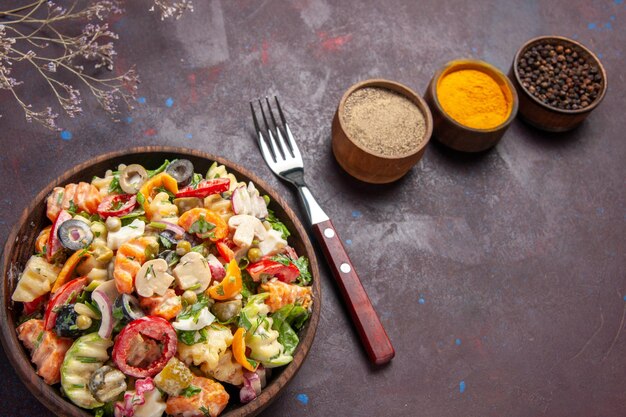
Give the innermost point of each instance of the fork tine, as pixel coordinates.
(265, 151)
(293, 146)
(271, 140)
(281, 140)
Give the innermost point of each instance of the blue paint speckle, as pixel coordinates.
(612, 17)
(458, 342)
(625, 298)
(462, 387)
(169, 102)
(608, 26)
(619, 1)
(348, 241)
(591, 26)
(421, 300)
(474, 50)
(574, 36)
(303, 398)
(189, 136)
(141, 100)
(66, 135)
(129, 119)
(600, 55)
(356, 214)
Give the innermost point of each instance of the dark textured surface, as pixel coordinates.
(503, 270)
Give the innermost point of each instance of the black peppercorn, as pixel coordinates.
(560, 76)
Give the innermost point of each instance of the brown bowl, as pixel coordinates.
(367, 165)
(541, 115)
(19, 247)
(456, 135)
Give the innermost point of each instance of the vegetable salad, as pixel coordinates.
(161, 292)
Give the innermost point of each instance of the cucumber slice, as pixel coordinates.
(87, 354)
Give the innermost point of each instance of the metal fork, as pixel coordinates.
(283, 157)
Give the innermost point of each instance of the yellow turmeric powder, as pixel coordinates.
(473, 98)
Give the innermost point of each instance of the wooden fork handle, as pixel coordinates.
(371, 330)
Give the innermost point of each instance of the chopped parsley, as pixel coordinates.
(114, 185)
(190, 391)
(165, 242)
(191, 337)
(201, 226)
(73, 207)
(277, 224)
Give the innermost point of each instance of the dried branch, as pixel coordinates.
(38, 34)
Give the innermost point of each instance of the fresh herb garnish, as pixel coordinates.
(162, 189)
(73, 207)
(303, 266)
(190, 391)
(163, 167)
(201, 226)
(114, 185)
(165, 242)
(277, 224)
(141, 198)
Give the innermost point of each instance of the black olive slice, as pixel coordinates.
(170, 257)
(65, 325)
(129, 306)
(181, 170)
(74, 234)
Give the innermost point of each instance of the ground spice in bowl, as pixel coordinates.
(383, 121)
(473, 98)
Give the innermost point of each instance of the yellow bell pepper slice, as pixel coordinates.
(148, 189)
(68, 269)
(230, 286)
(239, 350)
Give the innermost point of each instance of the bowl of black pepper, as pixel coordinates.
(559, 82)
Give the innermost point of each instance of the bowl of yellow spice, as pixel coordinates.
(472, 103)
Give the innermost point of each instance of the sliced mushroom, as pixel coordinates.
(246, 228)
(273, 243)
(193, 273)
(153, 278)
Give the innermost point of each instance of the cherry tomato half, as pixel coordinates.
(54, 244)
(151, 327)
(65, 295)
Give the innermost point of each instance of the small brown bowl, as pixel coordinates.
(365, 164)
(541, 115)
(456, 135)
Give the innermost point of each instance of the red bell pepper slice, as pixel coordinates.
(151, 327)
(31, 307)
(225, 250)
(117, 205)
(54, 243)
(285, 273)
(66, 294)
(205, 188)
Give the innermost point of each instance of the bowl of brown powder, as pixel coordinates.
(380, 130)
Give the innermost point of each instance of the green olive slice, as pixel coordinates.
(132, 178)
